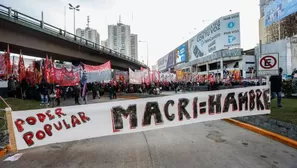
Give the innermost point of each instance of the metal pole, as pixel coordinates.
(279, 31)
(42, 22)
(147, 54)
(65, 18)
(74, 21)
(257, 60)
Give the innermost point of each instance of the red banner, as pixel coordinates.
(3, 67)
(22, 70)
(90, 68)
(63, 77)
(98, 73)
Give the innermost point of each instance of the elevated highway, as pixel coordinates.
(36, 38)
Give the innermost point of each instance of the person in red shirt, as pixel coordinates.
(58, 95)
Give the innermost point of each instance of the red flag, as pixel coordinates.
(8, 61)
(51, 71)
(46, 70)
(22, 70)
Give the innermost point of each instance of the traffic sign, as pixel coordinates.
(268, 64)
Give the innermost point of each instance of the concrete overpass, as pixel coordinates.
(36, 38)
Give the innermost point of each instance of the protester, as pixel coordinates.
(114, 92)
(44, 92)
(52, 96)
(77, 93)
(58, 95)
(110, 91)
(276, 87)
(12, 87)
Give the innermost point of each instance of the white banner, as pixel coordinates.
(99, 76)
(167, 77)
(46, 126)
(135, 77)
(224, 33)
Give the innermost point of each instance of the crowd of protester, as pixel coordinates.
(51, 94)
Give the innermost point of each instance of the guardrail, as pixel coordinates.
(40, 24)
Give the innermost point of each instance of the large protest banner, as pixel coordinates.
(135, 77)
(46, 126)
(63, 77)
(98, 73)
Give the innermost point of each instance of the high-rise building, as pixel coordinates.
(89, 34)
(134, 46)
(121, 40)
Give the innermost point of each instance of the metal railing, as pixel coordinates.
(40, 25)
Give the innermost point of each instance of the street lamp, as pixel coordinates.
(147, 53)
(74, 9)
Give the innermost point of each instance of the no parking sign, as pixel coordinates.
(268, 64)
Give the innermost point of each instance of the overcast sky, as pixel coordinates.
(165, 24)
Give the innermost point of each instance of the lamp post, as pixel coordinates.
(74, 9)
(147, 53)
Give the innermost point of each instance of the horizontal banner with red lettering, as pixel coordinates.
(98, 73)
(46, 126)
(63, 77)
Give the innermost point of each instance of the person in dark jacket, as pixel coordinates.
(276, 87)
(77, 93)
(44, 92)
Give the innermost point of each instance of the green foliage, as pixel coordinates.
(288, 88)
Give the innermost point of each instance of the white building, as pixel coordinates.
(119, 38)
(89, 34)
(222, 61)
(134, 46)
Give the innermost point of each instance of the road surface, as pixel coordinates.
(215, 144)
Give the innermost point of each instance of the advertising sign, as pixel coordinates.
(34, 128)
(268, 64)
(181, 53)
(162, 63)
(279, 9)
(171, 60)
(224, 33)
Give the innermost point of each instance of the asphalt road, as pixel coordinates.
(216, 144)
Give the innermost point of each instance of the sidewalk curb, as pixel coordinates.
(263, 132)
(129, 97)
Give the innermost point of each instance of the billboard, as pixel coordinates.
(171, 60)
(223, 33)
(181, 53)
(279, 9)
(162, 63)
